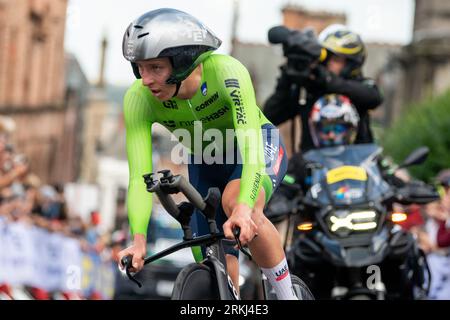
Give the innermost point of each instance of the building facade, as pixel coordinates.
(35, 89)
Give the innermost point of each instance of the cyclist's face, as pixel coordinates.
(336, 64)
(154, 73)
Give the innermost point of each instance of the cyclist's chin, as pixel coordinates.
(163, 99)
(162, 95)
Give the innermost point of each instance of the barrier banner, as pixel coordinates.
(3, 273)
(18, 253)
(31, 256)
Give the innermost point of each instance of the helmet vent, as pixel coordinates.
(143, 35)
(138, 27)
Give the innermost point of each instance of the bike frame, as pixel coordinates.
(215, 256)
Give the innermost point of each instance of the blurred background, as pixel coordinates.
(63, 165)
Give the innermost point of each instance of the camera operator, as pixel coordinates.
(315, 67)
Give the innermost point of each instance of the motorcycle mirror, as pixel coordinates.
(418, 156)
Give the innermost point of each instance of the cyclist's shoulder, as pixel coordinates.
(136, 88)
(221, 58)
(138, 103)
(223, 62)
(137, 92)
(227, 72)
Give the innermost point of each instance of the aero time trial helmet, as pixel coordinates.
(169, 33)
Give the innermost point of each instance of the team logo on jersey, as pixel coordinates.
(232, 83)
(208, 102)
(169, 124)
(170, 104)
(254, 192)
(240, 111)
(204, 89)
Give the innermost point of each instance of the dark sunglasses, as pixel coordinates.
(337, 128)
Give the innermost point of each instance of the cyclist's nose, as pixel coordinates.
(147, 78)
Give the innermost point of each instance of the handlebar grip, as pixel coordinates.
(127, 261)
(236, 232)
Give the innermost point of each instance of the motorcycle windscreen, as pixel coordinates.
(349, 175)
(346, 185)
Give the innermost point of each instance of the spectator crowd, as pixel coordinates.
(34, 218)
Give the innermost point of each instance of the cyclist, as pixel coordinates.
(186, 88)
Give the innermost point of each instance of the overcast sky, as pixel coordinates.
(88, 20)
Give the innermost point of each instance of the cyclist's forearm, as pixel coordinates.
(252, 175)
(139, 207)
(253, 168)
(140, 239)
(138, 122)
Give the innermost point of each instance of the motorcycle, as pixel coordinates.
(347, 242)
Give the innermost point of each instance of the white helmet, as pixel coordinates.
(333, 121)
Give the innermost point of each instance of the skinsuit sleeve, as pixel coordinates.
(138, 122)
(238, 89)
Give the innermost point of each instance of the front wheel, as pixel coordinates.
(196, 282)
(301, 289)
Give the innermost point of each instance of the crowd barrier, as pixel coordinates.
(32, 256)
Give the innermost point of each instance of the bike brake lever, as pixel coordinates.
(126, 262)
(236, 233)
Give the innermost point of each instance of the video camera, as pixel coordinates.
(300, 47)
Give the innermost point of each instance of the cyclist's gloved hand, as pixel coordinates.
(138, 250)
(241, 217)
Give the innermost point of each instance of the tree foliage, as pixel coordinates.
(423, 124)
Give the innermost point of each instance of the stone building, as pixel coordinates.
(421, 69)
(296, 17)
(36, 91)
(425, 62)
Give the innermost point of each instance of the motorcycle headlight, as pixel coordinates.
(343, 222)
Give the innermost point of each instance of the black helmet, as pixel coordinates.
(169, 33)
(339, 40)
